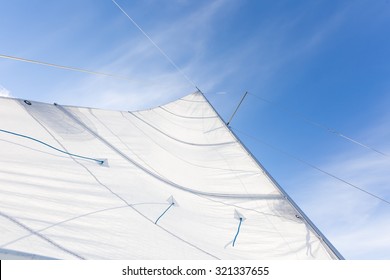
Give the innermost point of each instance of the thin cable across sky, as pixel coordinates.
(326, 128)
(155, 44)
(311, 166)
(17, 58)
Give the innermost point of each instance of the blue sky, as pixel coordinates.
(327, 60)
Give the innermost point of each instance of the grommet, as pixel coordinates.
(27, 102)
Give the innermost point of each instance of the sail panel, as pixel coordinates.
(173, 181)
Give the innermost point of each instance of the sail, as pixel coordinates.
(171, 182)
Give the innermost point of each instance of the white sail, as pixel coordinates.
(171, 182)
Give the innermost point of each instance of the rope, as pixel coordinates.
(322, 126)
(50, 146)
(154, 44)
(314, 167)
(166, 210)
(63, 67)
(238, 231)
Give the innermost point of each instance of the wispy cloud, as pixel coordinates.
(356, 223)
(187, 39)
(155, 80)
(282, 42)
(4, 92)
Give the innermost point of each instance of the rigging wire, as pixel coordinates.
(16, 58)
(155, 44)
(322, 126)
(312, 166)
(71, 68)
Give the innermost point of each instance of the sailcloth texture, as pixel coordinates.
(171, 182)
